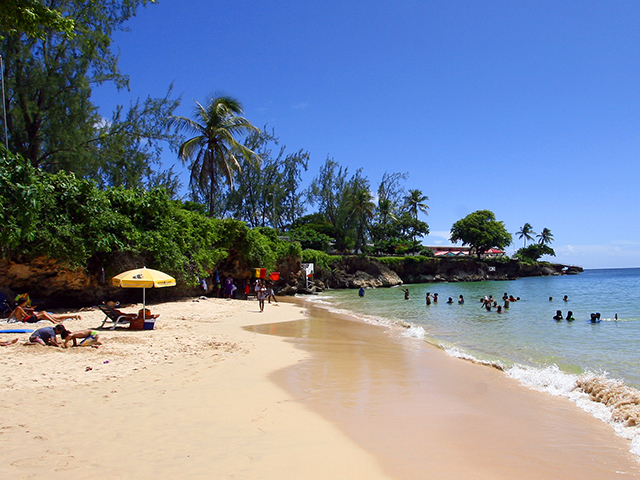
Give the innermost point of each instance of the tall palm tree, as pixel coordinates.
(362, 208)
(546, 237)
(414, 203)
(386, 210)
(526, 232)
(213, 148)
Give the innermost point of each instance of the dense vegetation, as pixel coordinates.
(72, 220)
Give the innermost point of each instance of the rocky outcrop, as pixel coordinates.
(51, 284)
(44, 278)
(353, 272)
(473, 270)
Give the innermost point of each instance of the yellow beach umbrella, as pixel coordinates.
(143, 278)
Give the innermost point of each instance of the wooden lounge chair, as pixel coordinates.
(112, 316)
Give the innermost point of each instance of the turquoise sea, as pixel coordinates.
(524, 340)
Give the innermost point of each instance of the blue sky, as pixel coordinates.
(529, 109)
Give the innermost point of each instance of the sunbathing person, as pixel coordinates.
(130, 316)
(120, 313)
(28, 315)
(88, 336)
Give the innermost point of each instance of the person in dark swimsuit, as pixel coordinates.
(28, 315)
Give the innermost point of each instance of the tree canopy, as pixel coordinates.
(534, 251)
(33, 18)
(481, 231)
(51, 120)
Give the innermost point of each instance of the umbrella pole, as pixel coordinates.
(144, 301)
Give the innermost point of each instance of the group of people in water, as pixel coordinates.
(489, 303)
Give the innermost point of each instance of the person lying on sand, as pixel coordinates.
(28, 315)
(89, 337)
(47, 336)
(8, 342)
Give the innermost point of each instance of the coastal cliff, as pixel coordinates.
(53, 284)
(368, 272)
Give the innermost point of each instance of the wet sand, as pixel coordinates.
(220, 390)
(427, 415)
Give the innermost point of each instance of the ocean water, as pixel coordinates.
(595, 365)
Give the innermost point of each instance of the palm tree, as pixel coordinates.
(386, 210)
(526, 232)
(414, 203)
(546, 237)
(362, 208)
(213, 148)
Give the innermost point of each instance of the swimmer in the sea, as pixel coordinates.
(558, 316)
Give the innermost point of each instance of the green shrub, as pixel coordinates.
(72, 221)
(319, 259)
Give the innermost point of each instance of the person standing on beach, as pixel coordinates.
(271, 294)
(262, 295)
(228, 286)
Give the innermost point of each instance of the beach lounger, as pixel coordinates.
(111, 316)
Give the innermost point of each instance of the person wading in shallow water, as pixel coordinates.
(406, 293)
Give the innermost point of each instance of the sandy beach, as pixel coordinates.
(220, 390)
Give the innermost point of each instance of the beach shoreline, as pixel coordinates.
(219, 389)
